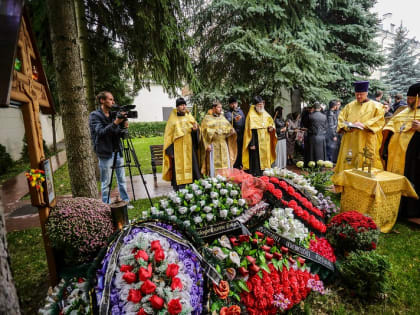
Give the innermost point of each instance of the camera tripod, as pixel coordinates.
(129, 155)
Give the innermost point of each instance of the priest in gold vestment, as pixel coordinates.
(181, 140)
(359, 121)
(218, 142)
(401, 148)
(259, 147)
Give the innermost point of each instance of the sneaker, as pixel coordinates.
(130, 207)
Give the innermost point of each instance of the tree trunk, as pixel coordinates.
(9, 302)
(72, 97)
(86, 66)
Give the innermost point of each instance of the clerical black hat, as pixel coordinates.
(232, 99)
(258, 99)
(414, 90)
(180, 101)
(361, 86)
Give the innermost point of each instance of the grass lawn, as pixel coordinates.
(141, 146)
(15, 169)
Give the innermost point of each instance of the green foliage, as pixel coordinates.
(147, 129)
(257, 47)
(352, 29)
(403, 64)
(318, 175)
(5, 160)
(365, 273)
(24, 154)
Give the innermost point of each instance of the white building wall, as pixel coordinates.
(12, 130)
(149, 104)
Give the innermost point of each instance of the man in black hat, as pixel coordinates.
(235, 116)
(402, 148)
(359, 121)
(181, 139)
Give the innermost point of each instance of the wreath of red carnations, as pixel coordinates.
(321, 246)
(301, 213)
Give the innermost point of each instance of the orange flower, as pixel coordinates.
(233, 310)
(222, 290)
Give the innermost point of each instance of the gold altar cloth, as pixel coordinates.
(378, 196)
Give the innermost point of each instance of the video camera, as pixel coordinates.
(117, 110)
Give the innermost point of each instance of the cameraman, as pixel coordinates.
(105, 135)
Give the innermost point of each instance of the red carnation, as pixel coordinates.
(125, 268)
(176, 284)
(284, 249)
(144, 273)
(243, 271)
(234, 241)
(259, 234)
(174, 307)
(154, 245)
(269, 241)
(142, 312)
(142, 254)
(148, 287)
(134, 296)
(129, 277)
(254, 268)
(157, 302)
(251, 259)
(172, 270)
(265, 248)
(301, 260)
(268, 256)
(159, 255)
(373, 245)
(244, 238)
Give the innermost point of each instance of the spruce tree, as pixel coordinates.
(403, 65)
(352, 31)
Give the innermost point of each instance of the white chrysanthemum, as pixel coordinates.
(214, 195)
(229, 201)
(215, 202)
(202, 203)
(193, 208)
(144, 214)
(218, 186)
(198, 192)
(177, 200)
(169, 211)
(189, 196)
(187, 223)
(223, 191)
(208, 186)
(234, 210)
(154, 211)
(164, 203)
(241, 202)
(184, 191)
(198, 219)
(194, 186)
(223, 213)
(229, 185)
(234, 193)
(221, 178)
(209, 216)
(207, 209)
(183, 210)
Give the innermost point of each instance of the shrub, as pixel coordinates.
(79, 227)
(365, 273)
(352, 230)
(5, 160)
(24, 154)
(147, 129)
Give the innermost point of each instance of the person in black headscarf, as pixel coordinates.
(332, 136)
(281, 149)
(317, 131)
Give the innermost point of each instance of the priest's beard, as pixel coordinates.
(259, 111)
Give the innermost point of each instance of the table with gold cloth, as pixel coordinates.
(378, 196)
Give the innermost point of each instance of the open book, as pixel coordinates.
(351, 125)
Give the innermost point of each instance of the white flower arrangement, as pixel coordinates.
(223, 213)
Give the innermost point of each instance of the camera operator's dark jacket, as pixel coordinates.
(104, 133)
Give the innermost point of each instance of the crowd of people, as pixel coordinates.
(389, 133)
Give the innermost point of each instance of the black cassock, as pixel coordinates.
(254, 155)
(317, 131)
(410, 207)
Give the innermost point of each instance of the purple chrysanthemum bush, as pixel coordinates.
(80, 227)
